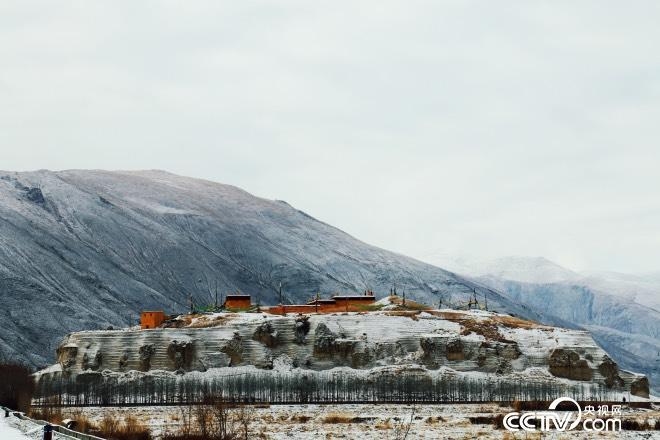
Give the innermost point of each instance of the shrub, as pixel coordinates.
(83, 423)
(338, 418)
(49, 413)
(130, 429)
(213, 421)
(16, 386)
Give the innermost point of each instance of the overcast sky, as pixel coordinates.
(479, 127)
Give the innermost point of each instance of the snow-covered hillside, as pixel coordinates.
(90, 249)
(514, 268)
(620, 310)
(643, 288)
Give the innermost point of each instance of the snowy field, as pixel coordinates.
(370, 422)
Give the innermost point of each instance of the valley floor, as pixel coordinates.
(369, 422)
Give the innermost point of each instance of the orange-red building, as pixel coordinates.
(151, 319)
(338, 303)
(241, 302)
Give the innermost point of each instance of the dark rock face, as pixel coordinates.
(266, 334)
(35, 195)
(509, 351)
(234, 349)
(117, 242)
(302, 328)
(93, 363)
(348, 351)
(567, 363)
(361, 359)
(640, 387)
(66, 356)
(123, 362)
(455, 350)
(181, 354)
(610, 371)
(146, 352)
(324, 341)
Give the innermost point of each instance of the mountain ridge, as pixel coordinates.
(90, 249)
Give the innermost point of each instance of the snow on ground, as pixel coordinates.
(13, 428)
(8, 432)
(369, 422)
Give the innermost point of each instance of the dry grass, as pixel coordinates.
(205, 321)
(486, 328)
(385, 425)
(83, 423)
(130, 428)
(337, 417)
(109, 423)
(52, 414)
(512, 322)
(406, 313)
(410, 305)
(449, 316)
(504, 320)
(301, 418)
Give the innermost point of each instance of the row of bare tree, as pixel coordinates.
(308, 387)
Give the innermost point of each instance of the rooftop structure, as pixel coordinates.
(338, 303)
(151, 319)
(238, 301)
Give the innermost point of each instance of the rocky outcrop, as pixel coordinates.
(180, 354)
(66, 355)
(324, 340)
(423, 342)
(123, 362)
(266, 334)
(93, 361)
(454, 350)
(567, 363)
(35, 195)
(234, 349)
(640, 387)
(302, 328)
(146, 352)
(610, 372)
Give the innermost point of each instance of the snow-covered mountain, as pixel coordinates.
(514, 268)
(621, 311)
(90, 249)
(642, 288)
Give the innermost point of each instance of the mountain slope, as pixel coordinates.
(641, 288)
(90, 249)
(514, 268)
(627, 330)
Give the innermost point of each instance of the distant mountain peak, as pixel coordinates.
(514, 267)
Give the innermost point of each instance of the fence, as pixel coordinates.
(57, 428)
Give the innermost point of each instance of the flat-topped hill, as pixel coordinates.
(463, 345)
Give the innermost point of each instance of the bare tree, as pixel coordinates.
(245, 416)
(402, 427)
